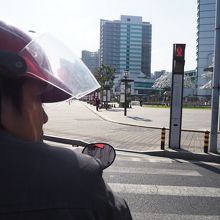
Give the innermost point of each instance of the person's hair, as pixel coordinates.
(12, 89)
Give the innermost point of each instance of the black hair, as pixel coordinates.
(12, 89)
(12, 68)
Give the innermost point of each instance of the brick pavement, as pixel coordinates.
(150, 118)
(196, 122)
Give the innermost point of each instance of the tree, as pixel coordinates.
(164, 81)
(105, 74)
(207, 74)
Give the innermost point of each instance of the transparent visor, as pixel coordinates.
(49, 60)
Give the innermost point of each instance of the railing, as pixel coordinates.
(72, 142)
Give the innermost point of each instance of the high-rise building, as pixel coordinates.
(125, 44)
(205, 41)
(91, 59)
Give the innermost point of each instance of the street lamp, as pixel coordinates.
(126, 80)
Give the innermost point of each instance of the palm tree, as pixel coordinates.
(105, 74)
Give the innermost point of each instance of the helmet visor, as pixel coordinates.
(49, 60)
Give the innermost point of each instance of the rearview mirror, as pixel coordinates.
(102, 151)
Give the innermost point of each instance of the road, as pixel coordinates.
(163, 188)
(158, 188)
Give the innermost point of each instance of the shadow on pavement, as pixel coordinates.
(181, 154)
(115, 110)
(201, 159)
(209, 167)
(139, 119)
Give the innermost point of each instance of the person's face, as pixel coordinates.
(29, 124)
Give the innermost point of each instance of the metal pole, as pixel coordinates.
(215, 83)
(106, 92)
(125, 107)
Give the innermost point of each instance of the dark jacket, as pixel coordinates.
(38, 181)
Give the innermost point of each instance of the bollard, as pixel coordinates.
(206, 142)
(163, 132)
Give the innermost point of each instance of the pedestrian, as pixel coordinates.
(97, 103)
(39, 181)
(141, 102)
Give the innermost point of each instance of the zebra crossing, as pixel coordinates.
(154, 171)
(163, 188)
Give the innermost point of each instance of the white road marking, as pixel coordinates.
(145, 159)
(166, 190)
(153, 159)
(155, 216)
(152, 171)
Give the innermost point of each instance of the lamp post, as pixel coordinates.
(126, 80)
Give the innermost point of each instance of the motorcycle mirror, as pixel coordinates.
(102, 151)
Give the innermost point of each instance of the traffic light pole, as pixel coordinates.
(216, 85)
(176, 96)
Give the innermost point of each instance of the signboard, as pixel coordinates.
(122, 88)
(106, 97)
(122, 98)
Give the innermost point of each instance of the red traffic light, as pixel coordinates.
(178, 58)
(179, 51)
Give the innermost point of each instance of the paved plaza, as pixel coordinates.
(193, 119)
(139, 131)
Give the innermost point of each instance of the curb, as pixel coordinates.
(178, 155)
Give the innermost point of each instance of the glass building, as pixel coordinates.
(205, 41)
(91, 60)
(125, 44)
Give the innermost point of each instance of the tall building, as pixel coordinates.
(125, 44)
(205, 41)
(91, 59)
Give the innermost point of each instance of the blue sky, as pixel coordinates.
(76, 23)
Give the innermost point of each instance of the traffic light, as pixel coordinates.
(178, 58)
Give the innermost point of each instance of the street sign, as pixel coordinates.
(106, 96)
(177, 95)
(127, 80)
(124, 92)
(122, 88)
(122, 98)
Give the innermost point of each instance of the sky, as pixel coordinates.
(77, 23)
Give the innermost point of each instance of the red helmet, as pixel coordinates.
(46, 59)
